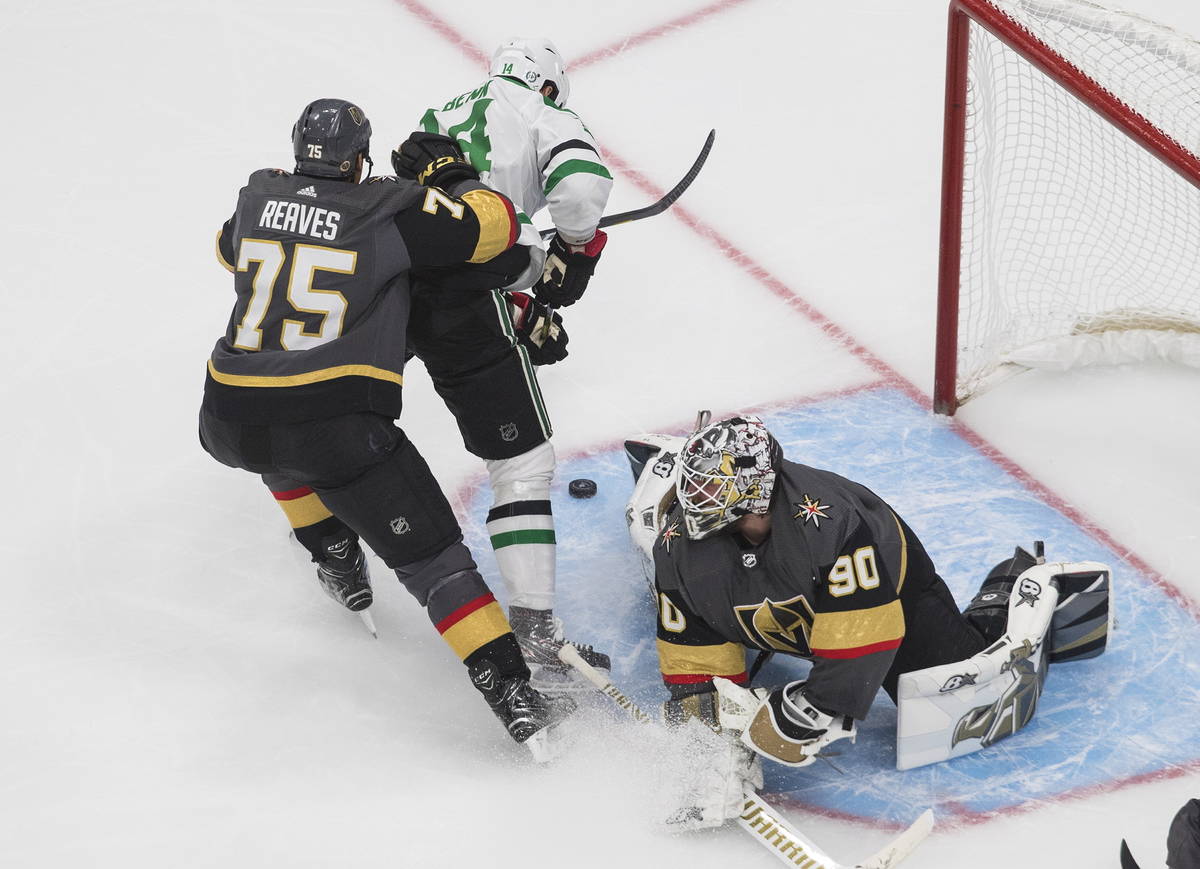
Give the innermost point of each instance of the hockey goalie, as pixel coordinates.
(748, 550)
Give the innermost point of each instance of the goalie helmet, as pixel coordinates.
(328, 137)
(536, 62)
(727, 470)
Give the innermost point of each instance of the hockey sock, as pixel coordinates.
(521, 526)
(311, 520)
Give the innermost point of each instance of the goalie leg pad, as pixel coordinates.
(1084, 617)
(958, 708)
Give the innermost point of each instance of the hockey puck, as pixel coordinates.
(582, 488)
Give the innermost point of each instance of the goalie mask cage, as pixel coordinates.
(1070, 191)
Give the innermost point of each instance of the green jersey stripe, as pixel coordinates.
(572, 167)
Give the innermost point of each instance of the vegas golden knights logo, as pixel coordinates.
(785, 626)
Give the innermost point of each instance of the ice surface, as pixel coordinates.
(177, 690)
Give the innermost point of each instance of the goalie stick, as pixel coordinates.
(759, 818)
(661, 205)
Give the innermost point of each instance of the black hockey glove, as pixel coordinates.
(568, 269)
(699, 704)
(539, 330)
(433, 160)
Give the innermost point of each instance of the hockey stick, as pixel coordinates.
(760, 818)
(663, 204)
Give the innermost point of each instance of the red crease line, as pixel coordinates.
(667, 29)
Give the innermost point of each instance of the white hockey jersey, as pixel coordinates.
(533, 151)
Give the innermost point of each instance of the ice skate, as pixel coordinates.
(346, 578)
(540, 635)
(529, 716)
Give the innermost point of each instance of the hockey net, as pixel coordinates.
(1071, 192)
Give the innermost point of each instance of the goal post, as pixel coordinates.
(1070, 190)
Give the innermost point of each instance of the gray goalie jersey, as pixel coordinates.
(824, 585)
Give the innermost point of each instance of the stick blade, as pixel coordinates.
(1127, 861)
(903, 845)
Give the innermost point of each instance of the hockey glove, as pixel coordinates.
(539, 330)
(701, 705)
(788, 729)
(433, 160)
(568, 269)
(715, 774)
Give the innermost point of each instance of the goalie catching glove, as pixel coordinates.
(568, 269)
(784, 726)
(433, 160)
(539, 330)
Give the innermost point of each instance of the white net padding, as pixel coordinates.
(1072, 232)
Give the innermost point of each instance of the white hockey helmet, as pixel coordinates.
(727, 470)
(535, 61)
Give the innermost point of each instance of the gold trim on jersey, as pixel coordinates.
(306, 378)
(726, 659)
(858, 632)
(220, 256)
(903, 553)
(497, 226)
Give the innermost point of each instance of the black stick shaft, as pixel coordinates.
(668, 199)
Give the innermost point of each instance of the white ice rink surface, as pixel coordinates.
(174, 688)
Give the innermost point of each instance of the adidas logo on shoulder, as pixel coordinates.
(308, 191)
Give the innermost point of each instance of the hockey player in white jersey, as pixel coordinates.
(516, 130)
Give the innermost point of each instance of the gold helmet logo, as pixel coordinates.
(356, 115)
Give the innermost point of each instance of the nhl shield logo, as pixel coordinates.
(399, 525)
(749, 559)
(508, 432)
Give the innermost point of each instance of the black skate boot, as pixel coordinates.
(540, 636)
(988, 610)
(343, 573)
(526, 714)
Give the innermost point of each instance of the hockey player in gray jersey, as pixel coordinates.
(480, 338)
(305, 384)
(751, 550)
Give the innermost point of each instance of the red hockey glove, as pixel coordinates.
(539, 330)
(568, 269)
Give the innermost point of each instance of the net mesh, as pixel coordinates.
(1067, 222)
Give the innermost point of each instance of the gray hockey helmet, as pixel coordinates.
(328, 137)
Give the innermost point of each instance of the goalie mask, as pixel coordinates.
(727, 470)
(536, 62)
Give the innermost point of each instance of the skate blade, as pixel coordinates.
(368, 621)
(548, 744)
